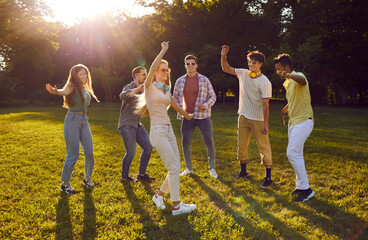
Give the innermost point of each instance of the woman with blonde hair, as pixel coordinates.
(77, 96)
(155, 102)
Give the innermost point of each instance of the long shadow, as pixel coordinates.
(149, 227)
(89, 220)
(237, 216)
(334, 224)
(64, 228)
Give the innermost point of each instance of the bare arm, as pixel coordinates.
(224, 63)
(179, 109)
(266, 113)
(284, 113)
(60, 92)
(156, 63)
(297, 78)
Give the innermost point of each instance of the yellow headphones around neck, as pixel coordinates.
(253, 74)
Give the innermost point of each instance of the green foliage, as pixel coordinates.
(32, 154)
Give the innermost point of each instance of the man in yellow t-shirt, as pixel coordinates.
(301, 121)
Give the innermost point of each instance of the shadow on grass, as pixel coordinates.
(284, 230)
(149, 228)
(249, 229)
(64, 228)
(338, 222)
(89, 220)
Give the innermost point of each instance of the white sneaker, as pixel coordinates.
(159, 201)
(183, 208)
(88, 182)
(186, 172)
(213, 173)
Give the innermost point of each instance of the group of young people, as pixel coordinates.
(193, 96)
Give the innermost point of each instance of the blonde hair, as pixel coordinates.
(77, 86)
(141, 107)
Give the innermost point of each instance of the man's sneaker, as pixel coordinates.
(183, 208)
(186, 172)
(127, 180)
(159, 201)
(87, 182)
(241, 175)
(296, 191)
(266, 183)
(305, 195)
(213, 173)
(67, 188)
(145, 177)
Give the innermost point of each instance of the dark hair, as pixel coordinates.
(190, 57)
(257, 56)
(284, 59)
(137, 70)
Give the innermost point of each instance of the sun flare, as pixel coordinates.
(72, 11)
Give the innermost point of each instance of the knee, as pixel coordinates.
(148, 148)
(291, 154)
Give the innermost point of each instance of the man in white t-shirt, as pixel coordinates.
(255, 91)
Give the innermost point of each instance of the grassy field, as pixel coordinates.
(32, 153)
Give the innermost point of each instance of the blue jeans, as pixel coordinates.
(132, 136)
(76, 130)
(187, 129)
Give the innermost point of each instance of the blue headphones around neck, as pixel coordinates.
(160, 85)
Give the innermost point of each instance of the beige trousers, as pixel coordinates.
(163, 139)
(245, 128)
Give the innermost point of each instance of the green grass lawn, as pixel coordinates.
(32, 153)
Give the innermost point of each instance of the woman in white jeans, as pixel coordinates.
(154, 102)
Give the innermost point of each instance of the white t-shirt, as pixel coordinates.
(251, 93)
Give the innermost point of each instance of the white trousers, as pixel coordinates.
(163, 139)
(298, 134)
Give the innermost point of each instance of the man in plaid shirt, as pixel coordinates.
(194, 93)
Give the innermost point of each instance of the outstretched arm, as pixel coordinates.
(60, 92)
(156, 63)
(224, 63)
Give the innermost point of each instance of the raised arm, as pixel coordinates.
(60, 92)
(156, 63)
(224, 63)
(179, 109)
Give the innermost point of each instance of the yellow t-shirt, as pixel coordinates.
(299, 100)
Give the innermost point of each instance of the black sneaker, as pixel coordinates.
(67, 188)
(305, 195)
(266, 183)
(241, 175)
(296, 191)
(145, 178)
(127, 180)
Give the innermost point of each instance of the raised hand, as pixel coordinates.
(165, 45)
(50, 89)
(224, 50)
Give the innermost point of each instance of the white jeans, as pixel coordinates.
(298, 134)
(163, 139)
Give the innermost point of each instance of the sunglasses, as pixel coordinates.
(165, 70)
(191, 63)
(143, 74)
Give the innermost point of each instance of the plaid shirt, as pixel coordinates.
(206, 96)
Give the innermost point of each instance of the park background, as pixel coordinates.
(327, 40)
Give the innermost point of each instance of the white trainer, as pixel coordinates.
(213, 173)
(186, 172)
(159, 201)
(183, 208)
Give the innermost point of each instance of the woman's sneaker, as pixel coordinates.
(159, 201)
(183, 208)
(87, 182)
(67, 188)
(186, 172)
